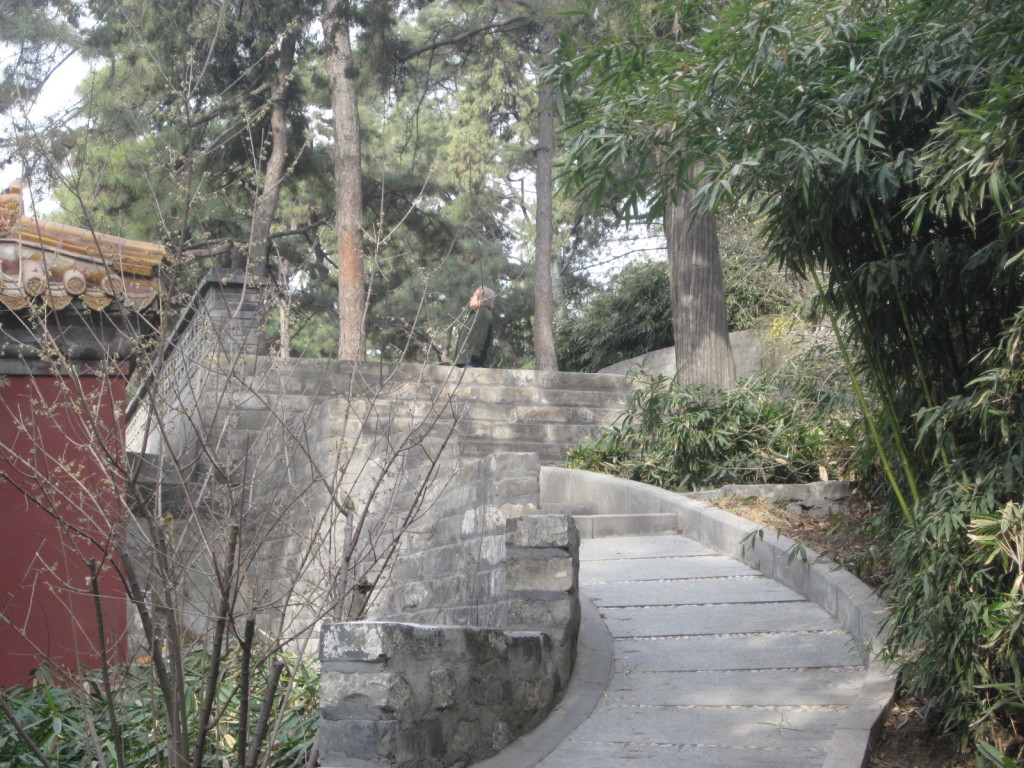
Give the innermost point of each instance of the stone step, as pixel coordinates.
(340, 373)
(469, 422)
(321, 379)
(493, 413)
(574, 508)
(548, 453)
(496, 410)
(531, 404)
(646, 524)
(509, 377)
(466, 427)
(512, 396)
(590, 398)
(570, 434)
(540, 413)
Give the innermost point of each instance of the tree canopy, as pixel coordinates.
(208, 125)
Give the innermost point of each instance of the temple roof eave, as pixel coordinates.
(58, 264)
(77, 243)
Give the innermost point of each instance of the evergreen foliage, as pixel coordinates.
(692, 438)
(35, 38)
(172, 141)
(632, 317)
(892, 141)
(633, 314)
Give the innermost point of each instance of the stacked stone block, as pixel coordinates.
(499, 585)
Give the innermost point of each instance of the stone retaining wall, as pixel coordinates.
(499, 582)
(747, 351)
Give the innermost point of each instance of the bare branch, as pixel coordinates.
(463, 36)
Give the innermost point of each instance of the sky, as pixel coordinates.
(57, 95)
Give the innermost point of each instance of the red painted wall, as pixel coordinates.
(60, 506)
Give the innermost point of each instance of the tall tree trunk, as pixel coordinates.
(699, 322)
(347, 182)
(543, 301)
(266, 204)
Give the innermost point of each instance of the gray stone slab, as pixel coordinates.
(668, 620)
(752, 589)
(732, 652)
(631, 524)
(772, 727)
(575, 754)
(660, 568)
(775, 687)
(617, 548)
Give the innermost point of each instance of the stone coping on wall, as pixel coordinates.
(851, 602)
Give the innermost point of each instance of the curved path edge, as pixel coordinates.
(590, 677)
(851, 602)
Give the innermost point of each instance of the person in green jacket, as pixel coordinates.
(477, 334)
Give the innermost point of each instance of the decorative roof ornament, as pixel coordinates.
(57, 264)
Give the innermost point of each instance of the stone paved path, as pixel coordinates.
(715, 666)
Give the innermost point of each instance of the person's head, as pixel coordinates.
(481, 296)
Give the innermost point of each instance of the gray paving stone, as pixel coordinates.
(669, 620)
(722, 726)
(753, 589)
(715, 665)
(660, 568)
(630, 524)
(581, 754)
(775, 687)
(618, 548)
(729, 652)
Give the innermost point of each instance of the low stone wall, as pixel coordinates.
(500, 585)
(747, 352)
(755, 350)
(452, 567)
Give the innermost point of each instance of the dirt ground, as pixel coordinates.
(907, 739)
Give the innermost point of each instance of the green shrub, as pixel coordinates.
(67, 719)
(690, 438)
(957, 593)
(755, 288)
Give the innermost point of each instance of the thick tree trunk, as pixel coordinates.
(543, 301)
(699, 322)
(266, 204)
(347, 182)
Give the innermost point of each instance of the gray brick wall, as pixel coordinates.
(497, 584)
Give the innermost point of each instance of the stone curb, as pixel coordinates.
(847, 599)
(590, 677)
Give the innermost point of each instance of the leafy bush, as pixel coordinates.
(69, 722)
(689, 438)
(958, 592)
(755, 288)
